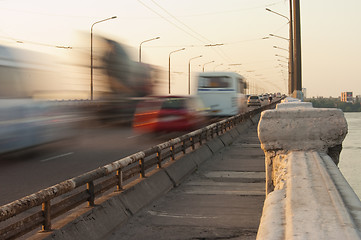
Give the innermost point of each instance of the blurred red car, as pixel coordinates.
(169, 114)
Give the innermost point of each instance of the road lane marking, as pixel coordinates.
(133, 136)
(58, 156)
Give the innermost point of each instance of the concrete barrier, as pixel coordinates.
(179, 170)
(215, 145)
(307, 196)
(203, 153)
(226, 138)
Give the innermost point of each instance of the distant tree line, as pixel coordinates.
(335, 103)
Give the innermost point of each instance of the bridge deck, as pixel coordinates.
(222, 200)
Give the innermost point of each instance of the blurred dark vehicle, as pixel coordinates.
(119, 83)
(124, 77)
(169, 114)
(253, 100)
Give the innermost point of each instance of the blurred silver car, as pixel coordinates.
(253, 100)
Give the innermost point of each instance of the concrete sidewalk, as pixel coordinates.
(222, 200)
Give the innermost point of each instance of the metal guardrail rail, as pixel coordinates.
(103, 179)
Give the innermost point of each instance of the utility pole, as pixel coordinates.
(291, 59)
(297, 46)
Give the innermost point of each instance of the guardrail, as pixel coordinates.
(103, 179)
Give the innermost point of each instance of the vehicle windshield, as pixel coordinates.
(174, 103)
(215, 82)
(253, 97)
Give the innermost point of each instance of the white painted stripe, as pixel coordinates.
(58, 156)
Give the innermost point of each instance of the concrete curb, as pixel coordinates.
(244, 126)
(181, 169)
(202, 154)
(215, 145)
(226, 138)
(145, 191)
(234, 133)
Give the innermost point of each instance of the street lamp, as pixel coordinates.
(169, 67)
(281, 48)
(281, 56)
(189, 73)
(140, 47)
(91, 54)
(272, 35)
(290, 46)
(206, 64)
(214, 69)
(282, 61)
(278, 14)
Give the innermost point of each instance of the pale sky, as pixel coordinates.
(330, 37)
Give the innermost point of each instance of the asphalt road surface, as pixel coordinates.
(28, 171)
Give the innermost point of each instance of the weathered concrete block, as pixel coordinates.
(181, 169)
(147, 190)
(294, 105)
(301, 129)
(234, 133)
(202, 154)
(226, 138)
(215, 145)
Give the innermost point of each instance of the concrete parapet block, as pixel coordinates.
(145, 191)
(307, 202)
(301, 128)
(288, 105)
(204, 153)
(226, 138)
(234, 133)
(243, 127)
(181, 169)
(215, 145)
(350, 199)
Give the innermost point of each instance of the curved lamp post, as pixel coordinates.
(169, 67)
(189, 73)
(140, 47)
(206, 64)
(91, 54)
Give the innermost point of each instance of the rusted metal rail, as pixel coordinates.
(102, 179)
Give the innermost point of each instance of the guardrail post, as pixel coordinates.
(142, 168)
(120, 180)
(200, 138)
(192, 141)
(172, 152)
(217, 129)
(184, 147)
(159, 159)
(45, 208)
(90, 188)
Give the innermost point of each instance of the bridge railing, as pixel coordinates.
(67, 195)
